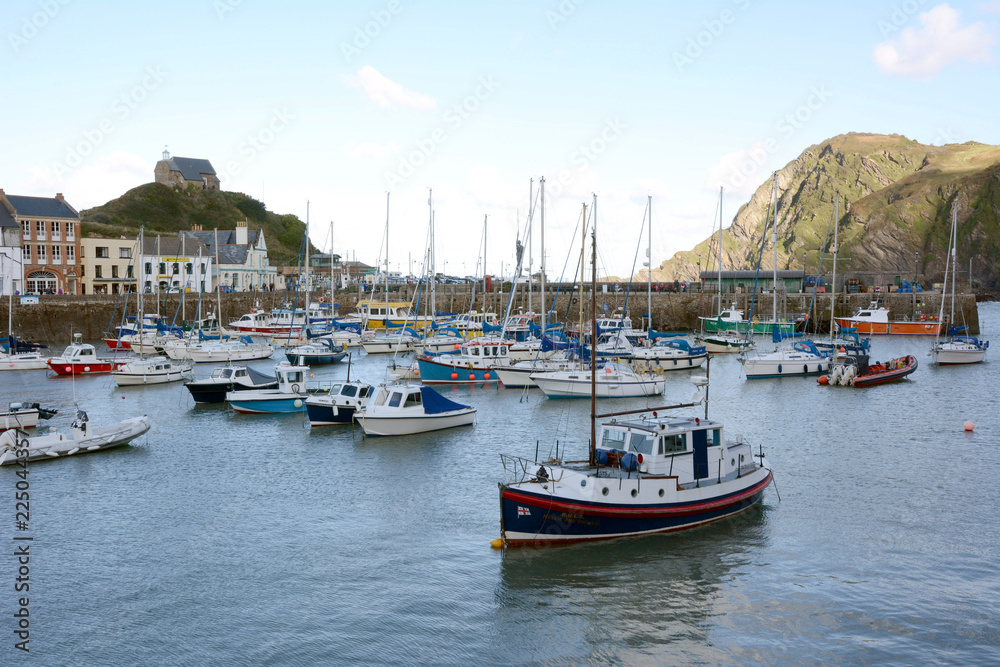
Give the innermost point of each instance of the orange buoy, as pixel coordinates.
(486, 376)
(823, 379)
(472, 376)
(969, 426)
(454, 376)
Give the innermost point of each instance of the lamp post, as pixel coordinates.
(916, 264)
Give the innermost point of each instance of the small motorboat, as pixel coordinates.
(24, 415)
(23, 361)
(386, 343)
(150, 370)
(290, 395)
(340, 405)
(225, 379)
(668, 354)
(612, 381)
(82, 438)
(725, 341)
(81, 358)
(412, 408)
(319, 351)
(858, 372)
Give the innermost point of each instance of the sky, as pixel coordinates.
(338, 104)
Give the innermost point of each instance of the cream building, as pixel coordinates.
(108, 266)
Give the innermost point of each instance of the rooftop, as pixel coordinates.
(42, 207)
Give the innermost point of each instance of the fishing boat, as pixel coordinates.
(150, 370)
(225, 379)
(320, 351)
(957, 349)
(15, 448)
(24, 415)
(475, 362)
(858, 372)
(874, 320)
(668, 354)
(340, 405)
(649, 473)
(81, 358)
(412, 408)
(725, 341)
(290, 395)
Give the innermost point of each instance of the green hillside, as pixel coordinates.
(896, 196)
(165, 210)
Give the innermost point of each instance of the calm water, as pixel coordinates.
(234, 539)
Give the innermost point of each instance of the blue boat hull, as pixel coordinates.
(554, 521)
(269, 405)
(433, 372)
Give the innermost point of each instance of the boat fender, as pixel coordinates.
(805, 368)
(779, 369)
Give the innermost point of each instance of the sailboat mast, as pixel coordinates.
(527, 235)
(583, 268)
(541, 268)
(593, 339)
(774, 241)
(954, 260)
(833, 287)
(720, 250)
(649, 267)
(385, 322)
(333, 285)
(307, 273)
(485, 219)
(430, 253)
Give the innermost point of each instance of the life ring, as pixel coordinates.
(295, 388)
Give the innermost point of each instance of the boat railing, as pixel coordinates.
(517, 469)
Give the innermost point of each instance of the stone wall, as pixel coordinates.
(57, 317)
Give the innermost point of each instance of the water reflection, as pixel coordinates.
(625, 596)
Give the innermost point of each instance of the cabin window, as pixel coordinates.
(412, 400)
(495, 351)
(295, 377)
(613, 439)
(85, 353)
(671, 444)
(715, 438)
(641, 442)
(240, 373)
(349, 391)
(396, 398)
(475, 351)
(227, 373)
(864, 313)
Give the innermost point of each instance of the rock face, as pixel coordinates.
(895, 201)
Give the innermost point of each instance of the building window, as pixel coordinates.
(163, 268)
(70, 253)
(26, 226)
(41, 254)
(128, 271)
(56, 256)
(125, 253)
(56, 235)
(177, 268)
(97, 271)
(83, 271)
(149, 268)
(27, 254)
(40, 230)
(202, 269)
(114, 270)
(101, 253)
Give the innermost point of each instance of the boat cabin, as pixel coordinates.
(873, 313)
(692, 449)
(291, 379)
(406, 396)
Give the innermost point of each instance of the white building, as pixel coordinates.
(176, 264)
(11, 255)
(243, 262)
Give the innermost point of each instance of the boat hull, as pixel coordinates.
(276, 405)
(407, 425)
(653, 364)
(958, 357)
(434, 372)
(17, 362)
(767, 368)
(134, 380)
(540, 519)
(909, 364)
(329, 414)
(891, 328)
(569, 388)
(19, 419)
(58, 445)
(62, 367)
(712, 325)
(315, 359)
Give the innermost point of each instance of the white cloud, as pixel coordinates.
(371, 149)
(92, 184)
(740, 172)
(940, 41)
(387, 93)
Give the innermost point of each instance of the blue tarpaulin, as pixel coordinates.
(435, 403)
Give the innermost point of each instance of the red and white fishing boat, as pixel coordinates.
(875, 320)
(80, 358)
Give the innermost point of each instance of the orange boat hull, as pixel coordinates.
(892, 328)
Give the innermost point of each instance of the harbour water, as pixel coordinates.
(236, 539)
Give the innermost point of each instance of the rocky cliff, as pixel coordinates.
(896, 197)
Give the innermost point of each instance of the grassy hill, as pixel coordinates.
(896, 196)
(166, 210)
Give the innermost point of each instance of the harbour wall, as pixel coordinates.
(56, 317)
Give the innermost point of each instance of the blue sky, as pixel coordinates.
(337, 103)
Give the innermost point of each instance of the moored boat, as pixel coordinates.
(409, 409)
(80, 358)
(339, 405)
(82, 438)
(290, 395)
(874, 320)
(150, 370)
(225, 379)
(859, 372)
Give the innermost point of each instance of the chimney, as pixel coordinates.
(241, 232)
(59, 195)
(2, 192)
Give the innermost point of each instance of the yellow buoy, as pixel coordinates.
(497, 543)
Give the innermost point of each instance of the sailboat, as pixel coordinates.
(612, 381)
(646, 474)
(956, 349)
(722, 333)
